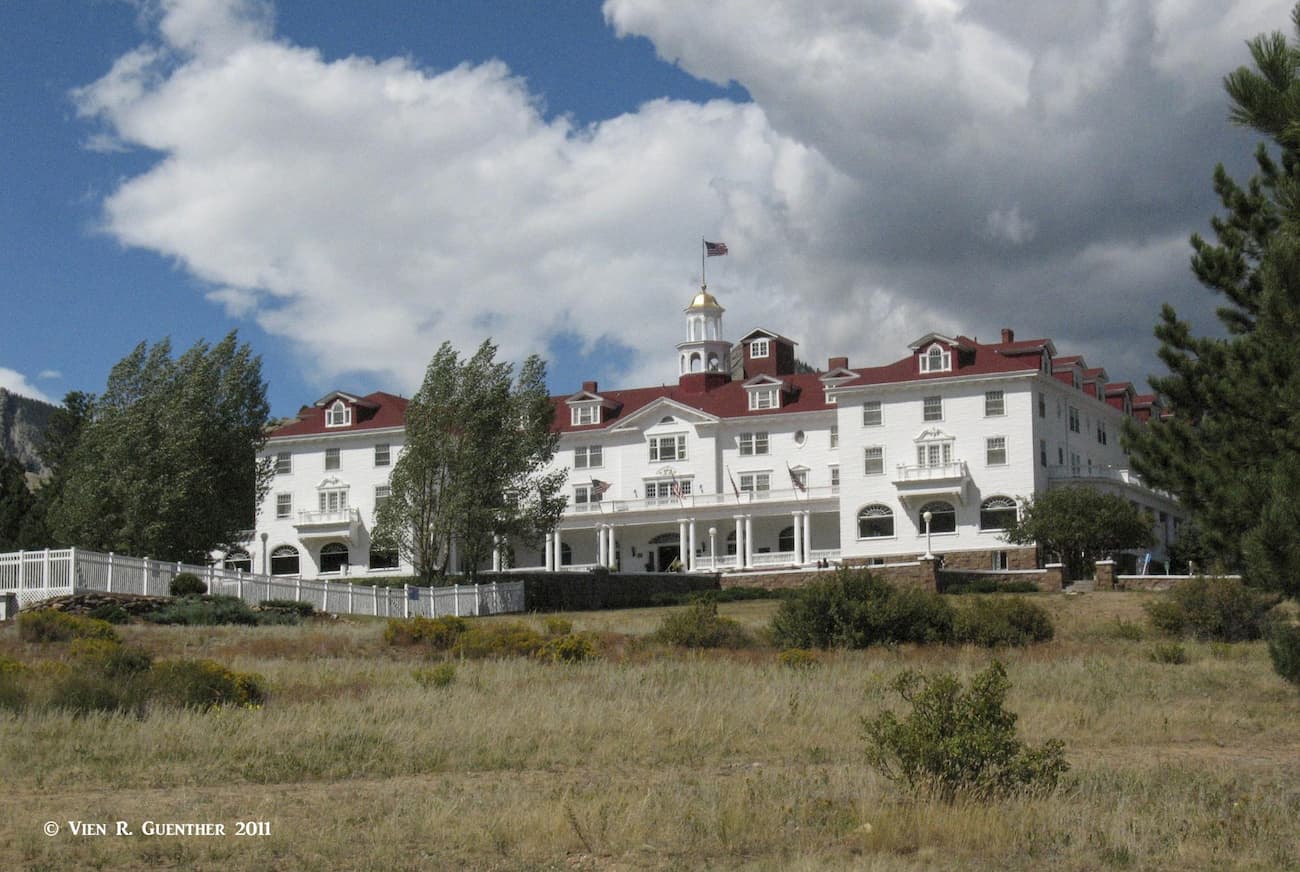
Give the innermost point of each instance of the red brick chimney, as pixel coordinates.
(589, 387)
(837, 363)
(1008, 335)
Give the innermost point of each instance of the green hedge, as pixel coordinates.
(589, 591)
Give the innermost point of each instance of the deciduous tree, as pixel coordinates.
(1080, 525)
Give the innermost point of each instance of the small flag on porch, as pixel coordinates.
(677, 489)
(733, 485)
(714, 249)
(598, 487)
(796, 479)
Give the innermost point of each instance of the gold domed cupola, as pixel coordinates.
(704, 300)
(704, 349)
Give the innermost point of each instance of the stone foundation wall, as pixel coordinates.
(1017, 558)
(1049, 579)
(1155, 582)
(918, 574)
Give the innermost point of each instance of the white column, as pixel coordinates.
(682, 553)
(550, 547)
(602, 559)
(611, 551)
(807, 535)
(740, 541)
(690, 564)
(496, 553)
(559, 552)
(749, 540)
(798, 537)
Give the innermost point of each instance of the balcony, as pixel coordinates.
(337, 524)
(721, 501)
(1116, 474)
(940, 480)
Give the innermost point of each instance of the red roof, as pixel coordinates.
(375, 412)
(981, 359)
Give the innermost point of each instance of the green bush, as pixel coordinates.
(995, 622)
(112, 613)
(187, 584)
(571, 648)
(976, 584)
(85, 691)
(1170, 653)
(557, 626)
(205, 611)
(1212, 609)
(854, 609)
(798, 658)
(1129, 630)
(582, 591)
(13, 695)
(956, 743)
(431, 677)
(51, 625)
(700, 626)
(110, 657)
(204, 684)
(1284, 649)
(292, 607)
(438, 633)
(503, 639)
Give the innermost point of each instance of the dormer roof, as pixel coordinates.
(764, 333)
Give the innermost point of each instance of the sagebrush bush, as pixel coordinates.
(441, 675)
(700, 626)
(571, 648)
(1284, 649)
(503, 639)
(187, 584)
(996, 621)
(438, 633)
(51, 625)
(1170, 653)
(292, 607)
(1212, 609)
(13, 695)
(205, 611)
(204, 684)
(112, 613)
(557, 626)
(854, 609)
(960, 743)
(798, 658)
(988, 585)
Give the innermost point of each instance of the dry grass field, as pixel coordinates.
(657, 759)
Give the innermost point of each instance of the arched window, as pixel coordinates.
(697, 363)
(715, 365)
(997, 513)
(284, 560)
(238, 560)
(943, 518)
(876, 522)
(333, 557)
(785, 540)
(338, 414)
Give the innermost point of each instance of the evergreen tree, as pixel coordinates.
(1235, 399)
(473, 463)
(20, 526)
(1079, 526)
(165, 463)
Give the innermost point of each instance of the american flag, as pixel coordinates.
(598, 487)
(795, 479)
(677, 488)
(714, 249)
(733, 485)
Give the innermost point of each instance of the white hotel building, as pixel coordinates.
(745, 463)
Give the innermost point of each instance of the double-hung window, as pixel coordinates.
(995, 448)
(835, 435)
(331, 458)
(994, 404)
(936, 360)
(758, 348)
(753, 443)
(283, 463)
(383, 454)
(664, 448)
(585, 496)
(871, 414)
(588, 457)
(339, 414)
(582, 415)
(873, 460)
(762, 398)
(1074, 420)
(755, 482)
(932, 409)
(934, 454)
(283, 506)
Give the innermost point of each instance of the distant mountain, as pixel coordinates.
(22, 429)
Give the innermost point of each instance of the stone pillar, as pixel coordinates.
(749, 541)
(1053, 577)
(1104, 575)
(690, 564)
(929, 577)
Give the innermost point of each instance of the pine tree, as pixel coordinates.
(1235, 399)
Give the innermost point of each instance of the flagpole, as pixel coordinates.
(704, 279)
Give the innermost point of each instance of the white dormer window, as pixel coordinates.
(339, 414)
(936, 360)
(758, 348)
(582, 415)
(763, 398)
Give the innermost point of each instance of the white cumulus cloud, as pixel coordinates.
(16, 383)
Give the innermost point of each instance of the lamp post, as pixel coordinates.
(713, 547)
(265, 536)
(927, 516)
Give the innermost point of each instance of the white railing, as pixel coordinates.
(955, 469)
(337, 516)
(699, 501)
(774, 558)
(39, 575)
(827, 554)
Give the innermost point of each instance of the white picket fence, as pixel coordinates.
(39, 575)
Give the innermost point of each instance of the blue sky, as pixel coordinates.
(348, 185)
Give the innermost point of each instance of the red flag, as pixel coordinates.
(714, 249)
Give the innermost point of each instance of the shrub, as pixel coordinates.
(292, 607)
(204, 684)
(506, 639)
(438, 633)
(997, 622)
(571, 648)
(557, 626)
(854, 609)
(85, 691)
(1168, 652)
(205, 611)
(50, 625)
(700, 626)
(975, 584)
(1212, 609)
(437, 676)
(957, 743)
(187, 584)
(111, 612)
(798, 658)
(1122, 629)
(1284, 649)
(13, 696)
(110, 657)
